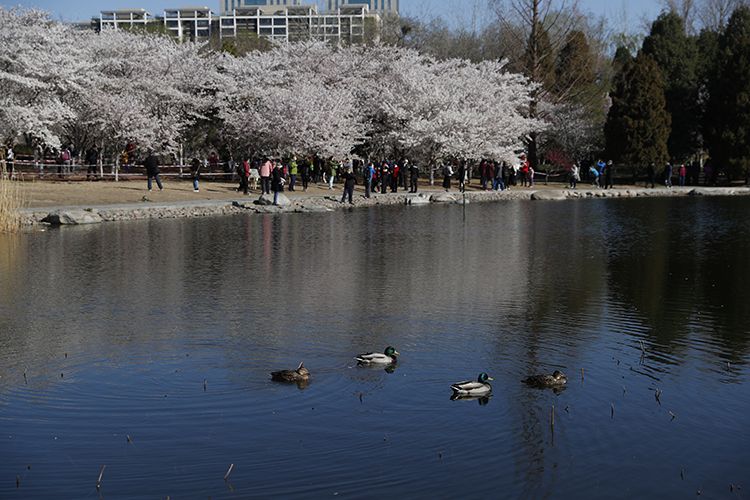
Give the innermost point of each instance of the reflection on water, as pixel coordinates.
(166, 332)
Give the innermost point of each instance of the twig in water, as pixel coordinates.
(130, 440)
(612, 413)
(581, 373)
(552, 418)
(66, 355)
(729, 365)
(205, 384)
(657, 395)
(682, 474)
(25, 380)
(99, 479)
(623, 390)
(229, 471)
(62, 375)
(672, 415)
(567, 409)
(18, 481)
(360, 397)
(643, 347)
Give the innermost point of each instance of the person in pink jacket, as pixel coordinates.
(265, 176)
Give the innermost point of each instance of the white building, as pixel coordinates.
(189, 23)
(229, 5)
(347, 25)
(125, 18)
(378, 6)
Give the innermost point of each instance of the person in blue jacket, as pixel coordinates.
(369, 174)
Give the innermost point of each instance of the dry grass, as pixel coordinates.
(10, 203)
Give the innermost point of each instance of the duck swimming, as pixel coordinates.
(388, 357)
(301, 374)
(556, 380)
(480, 387)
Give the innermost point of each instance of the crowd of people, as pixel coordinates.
(275, 175)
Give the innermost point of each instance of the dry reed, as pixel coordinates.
(11, 202)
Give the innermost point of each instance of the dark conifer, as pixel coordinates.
(728, 117)
(676, 55)
(638, 123)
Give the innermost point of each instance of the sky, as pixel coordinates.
(455, 11)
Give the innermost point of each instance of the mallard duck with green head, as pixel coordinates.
(387, 357)
(478, 387)
(301, 374)
(554, 381)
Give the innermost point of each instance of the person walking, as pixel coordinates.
(575, 176)
(447, 173)
(10, 157)
(265, 176)
(403, 169)
(195, 172)
(368, 175)
(594, 176)
(39, 159)
(67, 158)
(531, 175)
(682, 175)
(152, 170)
(461, 176)
(608, 174)
(213, 162)
(243, 171)
(513, 174)
(276, 185)
(524, 168)
(498, 184)
(292, 173)
(332, 166)
(413, 176)
(349, 181)
(384, 177)
(396, 174)
(668, 175)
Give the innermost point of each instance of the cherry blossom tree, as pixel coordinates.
(39, 66)
(113, 88)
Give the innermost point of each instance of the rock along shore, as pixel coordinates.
(307, 204)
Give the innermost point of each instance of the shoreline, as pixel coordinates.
(147, 208)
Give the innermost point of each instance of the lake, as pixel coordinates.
(147, 346)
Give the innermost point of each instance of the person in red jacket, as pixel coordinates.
(524, 170)
(244, 172)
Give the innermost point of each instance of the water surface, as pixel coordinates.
(117, 327)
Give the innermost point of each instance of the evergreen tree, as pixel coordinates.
(728, 120)
(638, 123)
(622, 58)
(574, 69)
(675, 52)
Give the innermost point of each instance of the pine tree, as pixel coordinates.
(676, 54)
(728, 120)
(638, 123)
